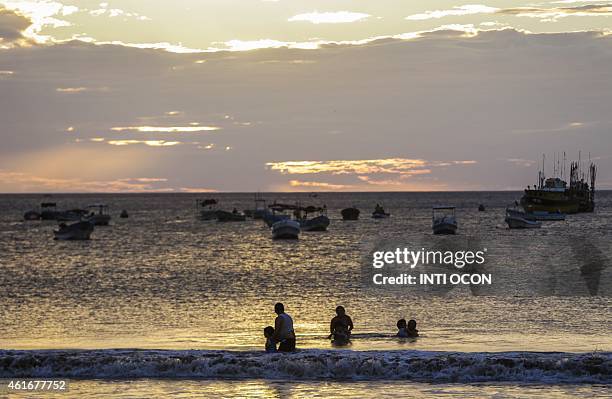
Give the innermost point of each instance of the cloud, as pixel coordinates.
(521, 162)
(468, 9)
(544, 13)
(393, 174)
(41, 14)
(402, 166)
(12, 181)
(337, 17)
(12, 28)
(389, 165)
(322, 186)
(571, 126)
(446, 95)
(196, 190)
(104, 10)
(166, 129)
(552, 14)
(75, 90)
(151, 143)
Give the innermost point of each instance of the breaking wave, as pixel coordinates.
(310, 365)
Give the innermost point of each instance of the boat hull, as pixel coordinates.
(319, 223)
(550, 216)
(445, 228)
(223, 216)
(75, 232)
(522, 223)
(378, 215)
(444, 225)
(549, 201)
(286, 230)
(99, 220)
(208, 215)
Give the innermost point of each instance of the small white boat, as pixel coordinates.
(520, 220)
(75, 231)
(99, 218)
(286, 229)
(443, 220)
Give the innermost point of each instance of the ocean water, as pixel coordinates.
(166, 303)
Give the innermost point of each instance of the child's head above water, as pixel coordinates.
(412, 325)
(268, 331)
(401, 323)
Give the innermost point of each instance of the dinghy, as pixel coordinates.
(520, 220)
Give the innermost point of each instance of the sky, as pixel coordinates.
(290, 95)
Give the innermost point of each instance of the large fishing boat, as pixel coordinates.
(553, 194)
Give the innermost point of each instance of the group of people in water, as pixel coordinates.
(340, 329)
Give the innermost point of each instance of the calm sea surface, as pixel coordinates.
(162, 279)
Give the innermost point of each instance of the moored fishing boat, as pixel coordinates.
(553, 194)
(444, 220)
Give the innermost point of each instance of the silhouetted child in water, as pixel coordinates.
(407, 330)
(269, 334)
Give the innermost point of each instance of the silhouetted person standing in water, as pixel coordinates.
(341, 326)
(283, 329)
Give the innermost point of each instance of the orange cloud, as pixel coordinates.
(166, 129)
(25, 182)
(366, 166)
(314, 185)
(151, 143)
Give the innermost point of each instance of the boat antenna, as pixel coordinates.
(563, 171)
